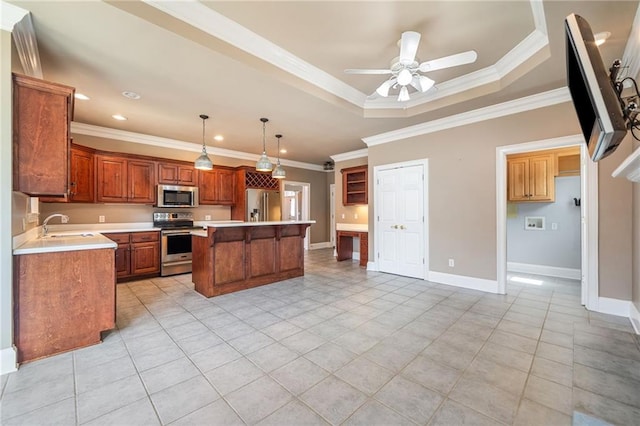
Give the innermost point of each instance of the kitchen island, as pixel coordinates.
(234, 256)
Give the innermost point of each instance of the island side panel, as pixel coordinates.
(63, 300)
(202, 264)
(248, 256)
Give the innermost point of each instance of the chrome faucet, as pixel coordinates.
(64, 218)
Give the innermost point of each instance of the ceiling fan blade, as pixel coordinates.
(357, 71)
(449, 61)
(408, 47)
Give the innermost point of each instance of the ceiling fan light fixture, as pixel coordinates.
(425, 83)
(383, 89)
(404, 77)
(203, 162)
(404, 94)
(264, 164)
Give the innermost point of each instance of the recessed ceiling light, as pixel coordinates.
(219, 138)
(119, 117)
(81, 96)
(131, 95)
(600, 38)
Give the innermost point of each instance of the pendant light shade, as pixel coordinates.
(264, 164)
(279, 172)
(203, 162)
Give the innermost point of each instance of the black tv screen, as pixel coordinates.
(594, 96)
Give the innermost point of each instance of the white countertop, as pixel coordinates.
(356, 227)
(65, 241)
(237, 223)
(30, 243)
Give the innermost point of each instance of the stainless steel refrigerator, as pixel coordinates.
(263, 205)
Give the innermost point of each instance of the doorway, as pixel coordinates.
(296, 204)
(400, 211)
(588, 213)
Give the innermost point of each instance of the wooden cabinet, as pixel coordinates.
(42, 114)
(138, 254)
(355, 185)
(531, 177)
(122, 180)
(177, 174)
(568, 162)
(81, 176)
(217, 187)
(62, 301)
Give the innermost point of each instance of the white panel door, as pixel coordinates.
(400, 194)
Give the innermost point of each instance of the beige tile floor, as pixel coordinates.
(341, 346)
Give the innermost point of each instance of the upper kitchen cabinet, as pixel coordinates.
(530, 177)
(177, 174)
(42, 113)
(217, 186)
(81, 176)
(123, 180)
(355, 185)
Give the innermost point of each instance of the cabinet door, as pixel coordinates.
(167, 173)
(123, 261)
(225, 187)
(187, 175)
(145, 258)
(541, 187)
(41, 120)
(82, 181)
(207, 187)
(141, 178)
(111, 179)
(518, 179)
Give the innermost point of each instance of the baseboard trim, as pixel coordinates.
(372, 266)
(550, 271)
(316, 246)
(490, 286)
(634, 315)
(617, 307)
(8, 361)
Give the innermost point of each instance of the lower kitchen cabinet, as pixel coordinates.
(137, 255)
(62, 301)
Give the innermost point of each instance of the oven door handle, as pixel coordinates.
(182, 262)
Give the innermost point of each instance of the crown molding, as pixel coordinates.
(141, 138)
(351, 155)
(24, 38)
(10, 15)
(223, 28)
(217, 25)
(516, 106)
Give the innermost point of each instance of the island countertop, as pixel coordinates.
(232, 224)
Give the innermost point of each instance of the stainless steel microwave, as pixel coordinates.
(177, 196)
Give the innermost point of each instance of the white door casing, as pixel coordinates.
(332, 213)
(589, 213)
(400, 219)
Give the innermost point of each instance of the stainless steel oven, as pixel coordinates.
(176, 251)
(175, 242)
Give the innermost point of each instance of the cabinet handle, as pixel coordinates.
(402, 227)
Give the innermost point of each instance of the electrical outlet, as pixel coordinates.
(24, 224)
(207, 217)
(452, 263)
(343, 215)
(101, 219)
(554, 226)
(64, 219)
(355, 215)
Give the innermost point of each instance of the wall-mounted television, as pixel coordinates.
(595, 98)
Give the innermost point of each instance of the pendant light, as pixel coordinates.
(203, 162)
(279, 172)
(264, 164)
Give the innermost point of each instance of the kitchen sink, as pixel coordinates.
(70, 235)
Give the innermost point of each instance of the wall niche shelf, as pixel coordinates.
(355, 185)
(630, 167)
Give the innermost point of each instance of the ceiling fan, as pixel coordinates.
(406, 70)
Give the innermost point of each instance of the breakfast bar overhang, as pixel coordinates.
(234, 256)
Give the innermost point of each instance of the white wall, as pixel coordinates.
(558, 248)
